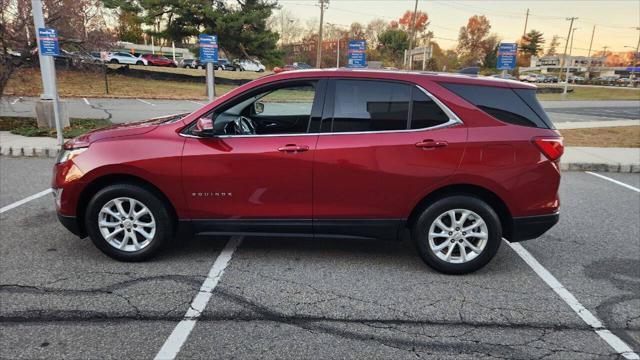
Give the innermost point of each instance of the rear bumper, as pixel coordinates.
(71, 223)
(531, 227)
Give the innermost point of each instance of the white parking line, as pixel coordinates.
(86, 101)
(146, 102)
(181, 332)
(15, 101)
(195, 102)
(25, 200)
(614, 341)
(614, 181)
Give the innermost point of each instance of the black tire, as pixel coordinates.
(421, 228)
(162, 216)
(114, 61)
(139, 63)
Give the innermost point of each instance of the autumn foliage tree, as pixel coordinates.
(421, 21)
(472, 39)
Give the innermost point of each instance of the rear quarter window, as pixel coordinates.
(513, 106)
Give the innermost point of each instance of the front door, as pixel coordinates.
(255, 174)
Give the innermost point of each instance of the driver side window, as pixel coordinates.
(285, 109)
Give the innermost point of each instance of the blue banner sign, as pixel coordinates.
(208, 48)
(48, 42)
(507, 53)
(357, 54)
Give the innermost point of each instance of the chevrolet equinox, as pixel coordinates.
(457, 162)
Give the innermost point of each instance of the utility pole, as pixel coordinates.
(526, 20)
(566, 83)
(591, 42)
(323, 3)
(564, 54)
(413, 32)
(589, 52)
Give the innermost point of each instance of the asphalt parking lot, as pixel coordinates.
(300, 298)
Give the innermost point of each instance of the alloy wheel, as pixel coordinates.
(458, 236)
(126, 224)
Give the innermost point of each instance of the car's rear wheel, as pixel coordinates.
(457, 234)
(128, 222)
(114, 61)
(139, 63)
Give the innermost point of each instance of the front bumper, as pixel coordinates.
(72, 224)
(531, 227)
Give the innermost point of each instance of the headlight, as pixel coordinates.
(66, 155)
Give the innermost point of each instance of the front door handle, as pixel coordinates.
(293, 148)
(431, 144)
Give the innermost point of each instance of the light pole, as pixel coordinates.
(566, 83)
(334, 26)
(633, 62)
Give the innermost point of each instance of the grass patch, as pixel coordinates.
(620, 136)
(26, 126)
(595, 93)
(28, 82)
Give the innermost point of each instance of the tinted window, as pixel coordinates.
(362, 105)
(504, 103)
(425, 112)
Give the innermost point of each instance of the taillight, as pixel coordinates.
(552, 148)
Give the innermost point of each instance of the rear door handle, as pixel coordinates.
(293, 148)
(431, 144)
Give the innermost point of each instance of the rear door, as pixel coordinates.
(383, 146)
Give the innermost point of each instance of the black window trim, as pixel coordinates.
(327, 114)
(327, 109)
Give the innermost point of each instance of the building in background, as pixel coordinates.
(589, 67)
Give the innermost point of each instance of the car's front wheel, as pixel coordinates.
(457, 234)
(128, 222)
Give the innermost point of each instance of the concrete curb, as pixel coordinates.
(598, 167)
(29, 152)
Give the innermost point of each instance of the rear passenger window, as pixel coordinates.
(504, 104)
(364, 105)
(426, 113)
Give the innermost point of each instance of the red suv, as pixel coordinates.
(458, 162)
(158, 60)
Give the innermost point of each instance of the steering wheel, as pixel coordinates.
(242, 125)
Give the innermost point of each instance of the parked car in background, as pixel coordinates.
(504, 76)
(325, 153)
(536, 78)
(605, 80)
(294, 66)
(248, 65)
(159, 60)
(125, 58)
(96, 57)
(224, 64)
(550, 79)
(190, 63)
(625, 81)
(576, 79)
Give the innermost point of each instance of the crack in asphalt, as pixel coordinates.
(334, 326)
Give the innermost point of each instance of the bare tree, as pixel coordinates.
(288, 26)
(374, 28)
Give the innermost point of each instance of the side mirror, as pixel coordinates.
(258, 107)
(204, 127)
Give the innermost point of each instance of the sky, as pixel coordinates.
(615, 20)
